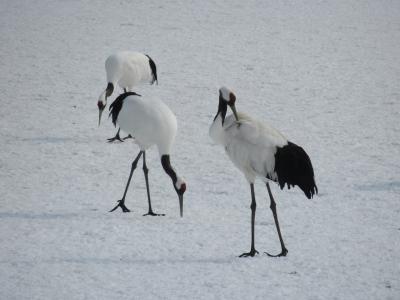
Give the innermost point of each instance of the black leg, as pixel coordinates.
(146, 177)
(121, 203)
(253, 206)
(284, 251)
(115, 138)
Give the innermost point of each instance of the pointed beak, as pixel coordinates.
(100, 112)
(181, 205)
(101, 108)
(234, 111)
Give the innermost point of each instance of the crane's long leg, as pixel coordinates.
(121, 203)
(146, 172)
(253, 206)
(273, 208)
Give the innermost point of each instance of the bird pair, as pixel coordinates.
(255, 148)
(128, 70)
(150, 121)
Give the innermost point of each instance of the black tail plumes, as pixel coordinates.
(293, 167)
(116, 106)
(153, 69)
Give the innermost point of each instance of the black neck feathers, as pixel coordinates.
(171, 173)
(222, 107)
(168, 169)
(109, 89)
(153, 69)
(116, 106)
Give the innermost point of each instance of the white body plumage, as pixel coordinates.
(129, 69)
(259, 150)
(150, 121)
(250, 144)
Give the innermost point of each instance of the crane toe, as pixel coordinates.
(284, 252)
(252, 253)
(128, 137)
(150, 213)
(115, 138)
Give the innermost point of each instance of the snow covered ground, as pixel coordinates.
(325, 73)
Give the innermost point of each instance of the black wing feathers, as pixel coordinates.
(293, 167)
(116, 106)
(153, 69)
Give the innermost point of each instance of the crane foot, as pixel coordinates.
(283, 253)
(151, 213)
(122, 205)
(115, 138)
(252, 253)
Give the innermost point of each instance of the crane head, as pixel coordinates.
(180, 188)
(102, 102)
(227, 96)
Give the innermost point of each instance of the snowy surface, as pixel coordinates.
(325, 73)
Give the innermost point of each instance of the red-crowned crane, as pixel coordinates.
(128, 70)
(152, 123)
(260, 151)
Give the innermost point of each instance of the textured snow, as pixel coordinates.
(325, 73)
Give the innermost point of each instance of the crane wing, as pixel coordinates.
(254, 132)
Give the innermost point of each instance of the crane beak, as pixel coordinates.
(234, 111)
(100, 112)
(180, 193)
(181, 205)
